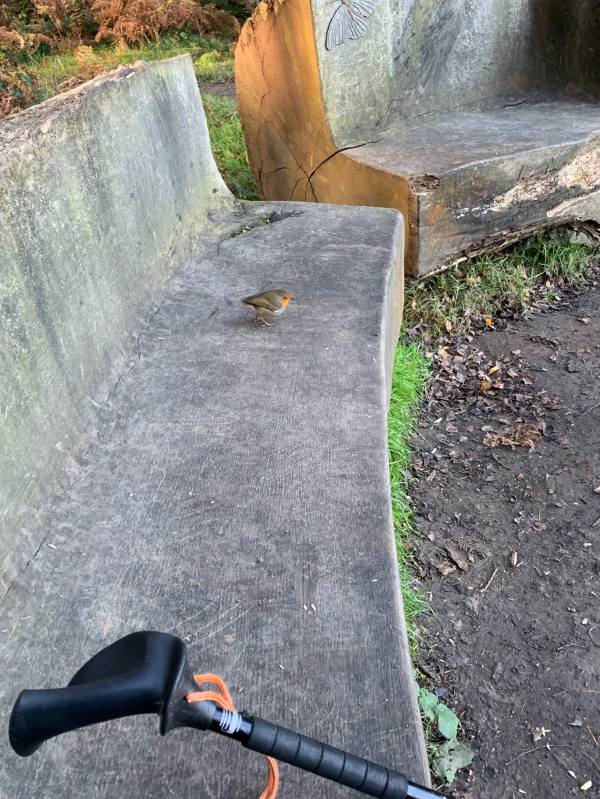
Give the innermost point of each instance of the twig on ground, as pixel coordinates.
(549, 747)
(591, 408)
(590, 758)
(489, 582)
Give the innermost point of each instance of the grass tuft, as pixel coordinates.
(228, 146)
(411, 372)
(213, 60)
(216, 64)
(459, 300)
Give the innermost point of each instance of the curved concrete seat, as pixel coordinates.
(236, 490)
(480, 122)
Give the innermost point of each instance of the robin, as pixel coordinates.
(268, 304)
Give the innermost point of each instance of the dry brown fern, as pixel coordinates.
(139, 21)
(15, 40)
(64, 18)
(17, 90)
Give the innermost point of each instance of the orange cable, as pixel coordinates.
(222, 697)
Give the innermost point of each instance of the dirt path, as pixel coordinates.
(511, 551)
(219, 88)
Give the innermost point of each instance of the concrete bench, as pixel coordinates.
(479, 121)
(170, 464)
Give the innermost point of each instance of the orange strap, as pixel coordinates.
(222, 697)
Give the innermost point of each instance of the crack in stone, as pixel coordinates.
(310, 175)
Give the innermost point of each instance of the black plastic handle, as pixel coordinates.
(326, 761)
(144, 672)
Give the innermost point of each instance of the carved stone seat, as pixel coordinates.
(168, 464)
(478, 121)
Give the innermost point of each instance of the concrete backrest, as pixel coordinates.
(419, 57)
(451, 111)
(102, 192)
(459, 54)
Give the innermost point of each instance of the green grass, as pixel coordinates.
(228, 146)
(212, 58)
(214, 65)
(411, 372)
(459, 300)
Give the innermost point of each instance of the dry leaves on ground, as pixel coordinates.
(525, 435)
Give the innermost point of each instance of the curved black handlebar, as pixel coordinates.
(148, 672)
(144, 672)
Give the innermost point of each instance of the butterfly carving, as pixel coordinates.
(349, 21)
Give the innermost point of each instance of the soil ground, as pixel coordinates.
(510, 550)
(220, 88)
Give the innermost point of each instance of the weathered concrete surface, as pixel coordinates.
(102, 192)
(465, 53)
(237, 489)
(366, 121)
(237, 495)
(529, 166)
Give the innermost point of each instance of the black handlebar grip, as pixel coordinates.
(41, 714)
(140, 673)
(326, 761)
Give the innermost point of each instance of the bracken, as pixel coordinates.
(139, 21)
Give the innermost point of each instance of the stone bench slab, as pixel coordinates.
(236, 494)
(487, 177)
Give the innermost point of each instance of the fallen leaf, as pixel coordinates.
(445, 568)
(473, 604)
(538, 733)
(457, 558)
(526, 435)
(485, 386)
(489, 321)
(494, 369)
